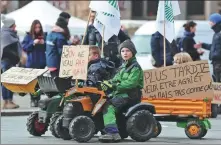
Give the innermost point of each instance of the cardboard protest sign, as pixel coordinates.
(188, 80)
(217, 93)
(22, 76)
(74, 62)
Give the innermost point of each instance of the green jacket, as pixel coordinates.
(126, 80)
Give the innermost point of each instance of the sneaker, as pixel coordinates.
(34, 103)
(110, 137)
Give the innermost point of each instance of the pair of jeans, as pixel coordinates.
(6, 94)
(217, 71)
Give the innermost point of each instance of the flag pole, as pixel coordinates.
(164, 39)
(102, 47)
(88, 19)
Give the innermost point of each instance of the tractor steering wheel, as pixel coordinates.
(90, 83)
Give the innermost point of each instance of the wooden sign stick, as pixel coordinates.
(88, 19)
(102, 49)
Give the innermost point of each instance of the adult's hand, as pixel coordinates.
(36, 41)
(198, 45)
(42, 41)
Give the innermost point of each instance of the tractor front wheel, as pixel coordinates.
(52, 124)
(60, 130)
(35, 127)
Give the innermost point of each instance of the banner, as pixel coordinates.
(188, 80)
(74, 62)
(22, 76)
(217, 93)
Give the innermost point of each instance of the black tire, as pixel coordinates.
(204, 132)
(214, 110)
(34, 127)
(140, 125)
(219, 109)
(82, 129)
(52, 124)
(60, 130)
(157, 130)
(195, 130)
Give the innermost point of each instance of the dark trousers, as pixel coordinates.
(217, 71)
(6, 94)
(35, 98)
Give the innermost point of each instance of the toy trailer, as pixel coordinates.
(189, 114)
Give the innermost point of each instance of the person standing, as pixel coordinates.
(92, 36)
(187, 42)
(215, 47)
(65, 15)
(55, 41)
(34, 46)
(11, 54)
(157, 50)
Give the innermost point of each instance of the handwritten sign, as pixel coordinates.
(74, 62)
(22, 76)
(188, 80)
(217, 93)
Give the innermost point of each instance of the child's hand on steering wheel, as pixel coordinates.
(105, 85)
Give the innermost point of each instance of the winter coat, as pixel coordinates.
(35, 53)
(187, 43)
(129, 78)
(157, 50)
(54, 45)
(93, 37)
(111, 47)
(100, 70)
(215, 47)
(10, 46)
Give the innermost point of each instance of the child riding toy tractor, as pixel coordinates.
(83, 115)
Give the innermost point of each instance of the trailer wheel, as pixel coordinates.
(195, 130)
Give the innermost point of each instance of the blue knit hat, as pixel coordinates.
(215, 18)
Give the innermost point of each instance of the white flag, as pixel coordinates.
(108, 14)
(167, 9)
(110, 6)
(107, 33)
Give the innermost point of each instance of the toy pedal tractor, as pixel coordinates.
(38, 122)
(82, 115)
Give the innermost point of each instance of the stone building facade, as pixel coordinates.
(140, 10)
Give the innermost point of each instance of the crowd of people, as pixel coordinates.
(45, 50)
(188, 45)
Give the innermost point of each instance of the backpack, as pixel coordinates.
(180, 44)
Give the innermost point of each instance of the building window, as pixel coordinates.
(23, 3)
(195, 7)
(152, 7)
(62, 5)
(121, 5)
(137, 8)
